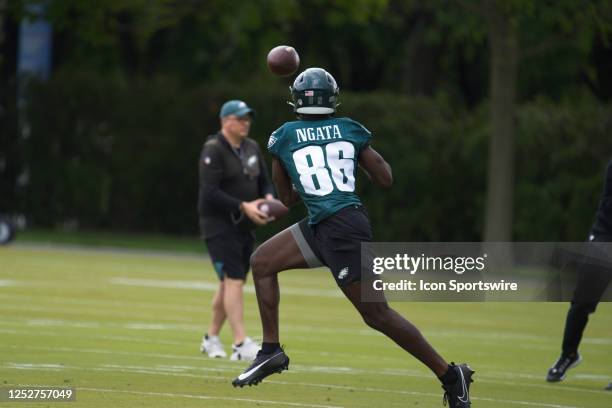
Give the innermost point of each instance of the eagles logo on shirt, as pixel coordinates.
(272, 140)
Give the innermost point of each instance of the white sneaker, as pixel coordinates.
(213, 347)
(247, 351)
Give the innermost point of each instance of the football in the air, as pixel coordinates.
(273, 208)
(283, 60)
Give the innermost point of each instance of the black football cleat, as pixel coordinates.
(609, 387)
(263, 366)
(457, 395)
(558, 371)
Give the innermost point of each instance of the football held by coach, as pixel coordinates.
(233, 181)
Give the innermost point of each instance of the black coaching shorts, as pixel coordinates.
(335, 242)
(230, 253)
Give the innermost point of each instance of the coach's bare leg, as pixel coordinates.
(277, 254)
(218, 312)
(233, 303)
(379, 316)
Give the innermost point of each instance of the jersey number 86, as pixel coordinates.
(310, 163)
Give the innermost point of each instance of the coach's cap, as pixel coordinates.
(235, 107)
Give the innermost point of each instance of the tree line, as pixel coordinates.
(484, 60)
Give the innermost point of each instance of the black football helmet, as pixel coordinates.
(314, 92)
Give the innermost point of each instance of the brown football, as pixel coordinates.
(283, 60)
(274, 208)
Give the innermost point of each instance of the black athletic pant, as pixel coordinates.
(594, 275)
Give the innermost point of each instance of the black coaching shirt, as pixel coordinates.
(603, 219)
(229, 176)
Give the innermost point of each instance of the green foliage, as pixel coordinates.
(561, 157)
(416, 47)
(113, 154)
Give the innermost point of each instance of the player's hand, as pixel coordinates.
(255, 214)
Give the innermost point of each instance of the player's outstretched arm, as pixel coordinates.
(375, 167)
(281, 179)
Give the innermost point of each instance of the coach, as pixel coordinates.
(233, 181)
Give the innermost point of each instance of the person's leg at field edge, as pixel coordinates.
(233, 299)
(211, 343)
(218, 312)
(228, 303)
(594, 275)
(380, 317)
(230, 254)
(575, 323)
(233, 303)
(281, 252)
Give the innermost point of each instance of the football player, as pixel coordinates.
(315, 160)
(593, 280)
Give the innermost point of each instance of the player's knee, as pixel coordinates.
(373, 321)
(260, 264)
(217, 302)
(376, 318)
(584, 307)
(231, 283)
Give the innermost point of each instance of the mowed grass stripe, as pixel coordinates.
(510, 345)
(296, 368)
(173, 373)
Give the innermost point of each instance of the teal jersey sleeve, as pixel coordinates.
(273, 141)
(358, 133)
(321, 158)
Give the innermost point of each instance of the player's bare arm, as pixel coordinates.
(375, 167)
(281, 179)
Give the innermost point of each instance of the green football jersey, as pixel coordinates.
(321, 157)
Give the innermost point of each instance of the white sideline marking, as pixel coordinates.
(64, 323)
(166, 284)
(96, 325)
(345, 387)
(89, 250)
(396, 372)
(179, 307)
(117, 338)
(145, 370)
(519, 339)
(207, 397)
(194, 396)
(7, 282)
(154, 371)
(101, 351)
(594, 377)
(187, 344)
(33, 366)
(211, 287)
(296, 368)
(594, 340)
(92, 312)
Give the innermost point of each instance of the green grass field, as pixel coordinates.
(124, 328)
